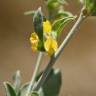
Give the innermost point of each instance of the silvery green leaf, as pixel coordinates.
(10, 91)
(17, 81)
(23, 89)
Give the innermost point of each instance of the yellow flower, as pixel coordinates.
(50, 45)
(47, 27)
(34, 41)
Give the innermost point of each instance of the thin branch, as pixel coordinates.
(60, 49)
(34, 74)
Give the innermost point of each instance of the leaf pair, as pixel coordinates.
(11, 92)
(13, 89)
(50, 88)
(16, 89)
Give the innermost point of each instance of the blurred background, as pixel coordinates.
(77, 62)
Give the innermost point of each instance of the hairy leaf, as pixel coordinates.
(23, 89)
(9, 89)
(17, 81)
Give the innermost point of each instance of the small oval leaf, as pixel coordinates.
(52, 85)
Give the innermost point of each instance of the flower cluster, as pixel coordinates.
(50, 43)
(44, 37)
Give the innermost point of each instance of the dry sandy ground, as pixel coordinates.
(77, 62)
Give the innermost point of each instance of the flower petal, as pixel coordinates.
(47, 27)
(50, 45)
(34, 41)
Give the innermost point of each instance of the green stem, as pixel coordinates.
(34, 74)
(60, 49)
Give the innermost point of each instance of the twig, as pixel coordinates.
(34, 74)
(60, 49)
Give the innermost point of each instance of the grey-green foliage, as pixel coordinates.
(10, 91)
(23, 89)
(50, 88)
(52, 85)
(17, 81)
(13, 89)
